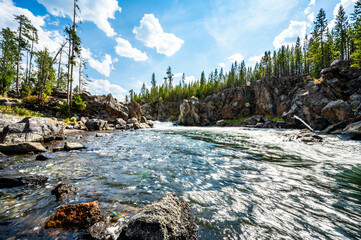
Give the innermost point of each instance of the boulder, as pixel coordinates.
(42, 157)
(80, 216)
(10, 178)
(19, 148)
(101, 135)
(95, 124)
(63, 191)
(121, 122)
(337, 111)
(337, 127)
(308, 137)
(69, 146)
(167, 218)
(188, 112)
(353, 129)
(132, 120)
(32, 129)
(6, 120)
(59, 93)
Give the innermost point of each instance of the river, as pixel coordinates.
(241, 183)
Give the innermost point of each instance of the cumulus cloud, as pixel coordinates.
(189, 79)
(49, 39)
(311, 17)
(97, 12)
(104, 87)
(288, 36)
(125, 49)
(255, 59)
(178, 75)
(235, 57)
(104, 67)
(151, 33)
(312, 2)
(222, 65)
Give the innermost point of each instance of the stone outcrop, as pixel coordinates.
(6, 120)
(10, 179)
(189, 112)
(80, 216)
(32, 129)
(63, 191)
(167, 218)
(18, 148)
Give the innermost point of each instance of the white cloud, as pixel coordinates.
(104, 87)
(189, 79)
(255, 59)
(235, 57)
(125, 49)
(312, 2)
(151, 33)
(50, 39)
(178, 75)
(289, 35)
(222, 65)
(104, 67)
(97, 12)
(311, 17)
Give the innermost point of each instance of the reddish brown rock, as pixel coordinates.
(78, 216)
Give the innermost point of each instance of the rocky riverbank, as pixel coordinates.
(331, 104)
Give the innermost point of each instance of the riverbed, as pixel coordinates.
(241, 183)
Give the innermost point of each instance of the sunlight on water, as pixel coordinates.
(241, 183)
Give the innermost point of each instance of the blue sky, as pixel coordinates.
(124, 42)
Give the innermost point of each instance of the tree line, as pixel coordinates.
(36, 72)
(307, 56)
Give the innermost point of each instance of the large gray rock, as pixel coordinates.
(19, 148)
(10, 178)
(167, 218)
(69, 146)
(337, 111)
(6, 120)
(189, 112)
(353, 129)
(63, 191)
(95, 124)
(32, 129)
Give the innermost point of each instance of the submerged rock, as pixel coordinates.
(69, 146)
(80, 216)
(167, 218)
(101, 135)
(308, 137)
(63, 191)
(353, 129)
(19, 148)
(10, 179)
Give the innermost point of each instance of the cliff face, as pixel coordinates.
(335, 97)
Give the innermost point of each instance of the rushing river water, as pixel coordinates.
(240, 183)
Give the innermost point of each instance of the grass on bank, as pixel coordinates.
(20, 112)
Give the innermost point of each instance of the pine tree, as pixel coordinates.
(340, 31)
(23, 37)
(356, 17)
(8, 49)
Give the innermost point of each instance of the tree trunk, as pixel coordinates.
(18, 66)
(59, 70)
(69, 62)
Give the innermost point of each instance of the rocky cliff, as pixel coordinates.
(334, 98)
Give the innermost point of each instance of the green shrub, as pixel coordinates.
(78, 103)
(173, 118)
(64, 108)
(73, 119)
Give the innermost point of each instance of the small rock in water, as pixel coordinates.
(80, 216)
(9, 179)
(69, 146)
(167, 218)
(63, 191)
(41, 157)
(101, 135)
